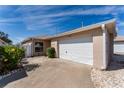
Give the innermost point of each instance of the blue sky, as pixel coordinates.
(21, 22)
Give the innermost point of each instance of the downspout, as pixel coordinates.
(104, 63)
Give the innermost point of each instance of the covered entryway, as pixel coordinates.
(78, 49)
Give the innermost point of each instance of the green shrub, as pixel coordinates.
(10, 57)
(51, 52)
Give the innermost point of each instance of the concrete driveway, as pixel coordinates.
(53, 73)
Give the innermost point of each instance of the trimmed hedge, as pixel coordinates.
(51, 52)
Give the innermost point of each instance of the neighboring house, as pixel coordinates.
(119, 45)
(2, 43)
(91, 45)
(119, 48)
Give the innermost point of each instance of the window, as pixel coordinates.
(38, 46)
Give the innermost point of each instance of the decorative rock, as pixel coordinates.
(110, 78)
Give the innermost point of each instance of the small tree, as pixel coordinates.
(51, 52)
(4, 37)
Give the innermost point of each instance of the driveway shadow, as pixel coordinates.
(30, 67)
(18, 74)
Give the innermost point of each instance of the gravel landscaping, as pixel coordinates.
(113, 77)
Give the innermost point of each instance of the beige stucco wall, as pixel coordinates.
(98, 55)
(98, 45)
(109, 48)
(36, 53)
(28, 44)
(97, 49)
(54, 43)
(46, 45)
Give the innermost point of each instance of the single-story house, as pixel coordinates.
(119, 45)
(119, 48)
(91, 44)
(2, 43)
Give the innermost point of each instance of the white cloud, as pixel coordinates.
(35, 8)
(37, 27)
(11, 20)
(46, 20)
(46, 17)
(43, 14)
(36, 17)
(17, 39)
(27, 10)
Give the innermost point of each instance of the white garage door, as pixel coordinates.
(119, 48)
(78, 49)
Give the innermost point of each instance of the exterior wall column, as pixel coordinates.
(105, 54)
(98, 49)
(54, 43)
(46, 44)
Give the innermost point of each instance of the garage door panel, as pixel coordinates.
(77, 49)
(118, 48)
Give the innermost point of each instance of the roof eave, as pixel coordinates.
(90, 27)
